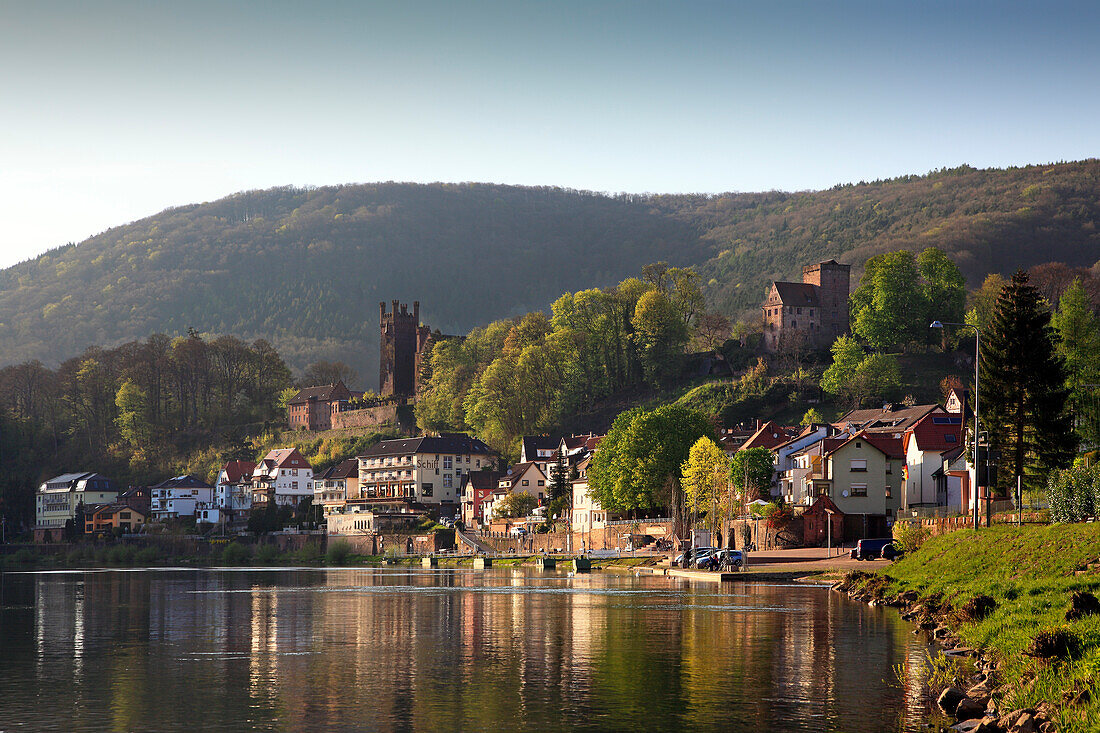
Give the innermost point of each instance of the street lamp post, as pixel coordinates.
(977, 352)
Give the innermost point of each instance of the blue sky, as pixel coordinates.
(110, 111)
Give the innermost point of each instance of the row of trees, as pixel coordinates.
(522, 376)
(132, 410)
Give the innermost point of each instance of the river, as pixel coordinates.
(402, 649)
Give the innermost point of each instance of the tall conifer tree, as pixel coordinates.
(1023, 388)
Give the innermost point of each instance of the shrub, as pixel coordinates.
(146, 556)
(308, 554)
(121, 555)
(1074, 493)
(908, 537)
(338, 553)
(236, 554)
(267, 554)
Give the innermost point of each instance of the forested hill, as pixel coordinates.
(306, 268)
(987, 221)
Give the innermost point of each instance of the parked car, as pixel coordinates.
(704, 556)
(678, 561)
(873, 549)
(722, 559)
(518, 532)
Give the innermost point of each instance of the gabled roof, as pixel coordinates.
(483, 479)
(517, 471)
(342, 470)
(186, 481)
(887, 445)
(452, 443)
(108, 510)
(889, 418)
(800, 294)
(322, 393)
(769, 435)
(236, 470)
(532, 444)
(804, 433)
(285, 458)
(936, 432)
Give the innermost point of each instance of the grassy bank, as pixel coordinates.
(1030, 574)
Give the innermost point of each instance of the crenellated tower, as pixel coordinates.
(403, 344)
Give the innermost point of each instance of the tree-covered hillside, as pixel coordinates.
(984, 220)
(307, 268)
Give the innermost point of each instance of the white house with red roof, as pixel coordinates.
(924, 444)
(283, 475)
(232, 494)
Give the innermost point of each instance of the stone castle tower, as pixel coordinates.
(403, 345)
(813, 312)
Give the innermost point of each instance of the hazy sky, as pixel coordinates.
(110, 111)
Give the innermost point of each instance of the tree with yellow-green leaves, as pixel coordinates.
(705, 477)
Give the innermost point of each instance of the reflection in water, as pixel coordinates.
(381, 649)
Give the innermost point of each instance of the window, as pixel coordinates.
(542, 483)
(447, 481)
(859, 490)
(799, 311)
(447, 462)
(526, 482)
(426, 490)
(859, 464)
(793, 324)
(811, 311)
(889, 469)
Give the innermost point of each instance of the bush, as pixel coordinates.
(338, 553)
(1074, 493)
(909, 537)
(308, 554)
(146, 556)
(267, 554)
(236, 554)
(121, 555)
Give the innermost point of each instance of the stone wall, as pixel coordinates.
(368, 417)
(402, 544)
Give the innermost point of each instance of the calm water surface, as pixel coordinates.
(411, 650)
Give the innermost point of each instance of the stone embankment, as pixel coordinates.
(977, 708)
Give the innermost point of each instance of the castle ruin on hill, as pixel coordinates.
(403, 346)
(813, 312)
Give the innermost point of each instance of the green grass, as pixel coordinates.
(1029, 571)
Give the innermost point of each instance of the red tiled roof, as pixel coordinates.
(889, 446)
(768, 436)
(936, 432)
(234, 470)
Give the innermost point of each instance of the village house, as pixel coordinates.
(118, 516)
(587, 514)
(312, 407)
(283, 476)
(924, 444)
(891, 418)
(424, 470)
(179, 496)
(768, 435)
(336, 485)
(57, 499)
(522, 478)
(785, 464)
(477, 489)
(232, 494)
(813, 312)
(540, 449)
